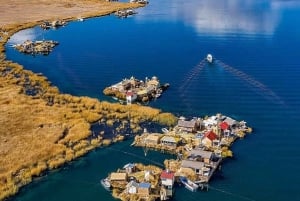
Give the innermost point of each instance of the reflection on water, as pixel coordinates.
(207, 17)
(27, 34)
(278, 4)
(222, 17)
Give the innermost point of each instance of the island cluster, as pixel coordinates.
(200, 144)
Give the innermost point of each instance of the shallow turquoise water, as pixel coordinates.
(258, 40)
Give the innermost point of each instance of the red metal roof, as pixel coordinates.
(211, 135)
(129, 93)
(224, 125)
(167, 175)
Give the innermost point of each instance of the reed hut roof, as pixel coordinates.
(153, 137)
(116, 176)
(230, 121)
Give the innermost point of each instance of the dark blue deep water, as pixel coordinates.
(255, 77)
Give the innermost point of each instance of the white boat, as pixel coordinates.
(209, 58)
(106, 183)
(80, 19)
(189, 184)
(130, 12)
(164, 130)
(157, 95)
(115, 98)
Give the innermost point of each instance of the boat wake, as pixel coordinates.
(190, 78)
(193, 76)
(257, 86)
(232, 194)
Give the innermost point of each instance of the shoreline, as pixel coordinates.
(53, 128)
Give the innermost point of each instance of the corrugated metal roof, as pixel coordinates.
(230, 121)
(211, 135)
(224, 125)
(192, 164)
(144, 185)
(167, 175)
(186, 124)
(202, 153)
(115, 176)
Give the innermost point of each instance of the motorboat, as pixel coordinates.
(209, 58)
(157, 95)
(188, 184)
(106, 183)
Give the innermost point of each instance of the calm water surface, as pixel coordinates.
(254, 78)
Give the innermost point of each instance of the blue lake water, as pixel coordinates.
(255, 77)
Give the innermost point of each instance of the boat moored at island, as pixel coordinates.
(188, 184)
(105, 183)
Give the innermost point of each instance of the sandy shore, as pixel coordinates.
(44, 131)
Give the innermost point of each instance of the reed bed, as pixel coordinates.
(44, 129)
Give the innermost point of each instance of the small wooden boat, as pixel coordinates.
(189, 184)
(106, 183)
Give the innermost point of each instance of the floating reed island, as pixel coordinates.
(125, 13)
(215, 133)
(134, 90)
(199, 143)
(136, 181)
(43, 47)
(54, 24)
